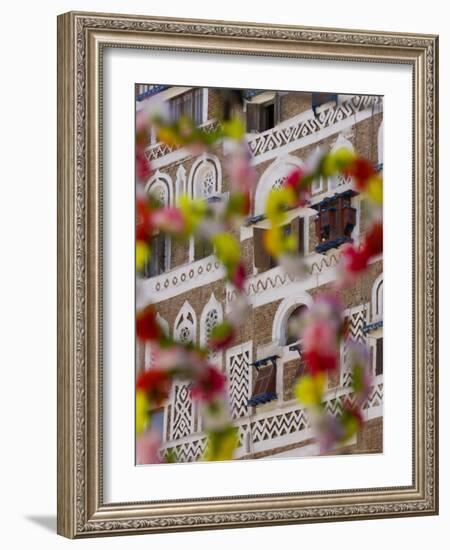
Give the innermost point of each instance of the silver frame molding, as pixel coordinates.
(81, 39)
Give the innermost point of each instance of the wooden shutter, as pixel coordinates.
(262, 259)
(298, 229)
(253, 117)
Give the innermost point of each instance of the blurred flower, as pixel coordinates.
(143, 254)
(169, 219)
(228, 251)
(222, 443)
(208, 384)
(360, 169)
(309, 389)
(238, 276)
(147, 448)
(142, 415)
(143, 167)
(147, 327)
(221, 336)
(320, 345)
(155, 383)
(359, 364)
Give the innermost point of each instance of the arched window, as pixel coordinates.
(185, 328)
(160, 188)
(292, 327)
(205, 177)
(340, 180)
(205, 181)
(273, 178)
(377, 299)
(286, 319)
(211, 316)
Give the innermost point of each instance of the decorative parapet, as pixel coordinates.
(290, 131)
(283, 426)
(179, 280)
(307, 123)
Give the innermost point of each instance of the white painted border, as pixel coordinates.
(125, 482)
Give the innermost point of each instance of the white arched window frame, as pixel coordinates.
(285, 309)
(185, 326)
(211, 316)
(161, 187)
(380, 144)
(205, 177)
(340, 180)
(377, 299)
(273, 178)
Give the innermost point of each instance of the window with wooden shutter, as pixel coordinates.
(202, 248)
(335, 220)
(264, 388)
(158, 259)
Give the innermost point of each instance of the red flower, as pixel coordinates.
(143, 168)
(294, 178)
(238, 276)
(355, 260)
(210, 383)
(155, 383)
(316, 361)
(361, 170)
(373, 242)
(147, 327)
(221, 336)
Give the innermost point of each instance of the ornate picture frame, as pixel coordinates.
(82, 39)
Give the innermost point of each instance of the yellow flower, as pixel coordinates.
(142, 416)
(227, 249)
(222, 444)
(374, 189)
(309, 389)
(142, 254)
(336, 161)
(233, 128)
(194, 212)
(278, 201)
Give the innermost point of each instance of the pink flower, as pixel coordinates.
(208, 385)
(320, 345)
(169, 219)
(147, 448)
(243, 175)
(143, 168)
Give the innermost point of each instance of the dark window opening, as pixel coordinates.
(263, 261)
(379, 357)
(189, 104)
(202, 248)
(263, 116)
(158, 259)
(292, 334)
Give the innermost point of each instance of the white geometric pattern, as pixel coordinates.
(238, 367)
(356, 318)
(182, 411)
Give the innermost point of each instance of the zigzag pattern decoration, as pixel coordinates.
(182, 411)
(282, 424)
(238, 375)
(356, 318)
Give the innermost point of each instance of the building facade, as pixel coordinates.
(186, 284)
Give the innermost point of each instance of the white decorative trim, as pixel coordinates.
(185, 321)
(285, 308)
(200, 163)
(161, 179)
(376, 308)
(278, 170)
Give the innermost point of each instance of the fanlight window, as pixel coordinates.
(293, 325)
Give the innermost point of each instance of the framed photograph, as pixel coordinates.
(247, 274)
